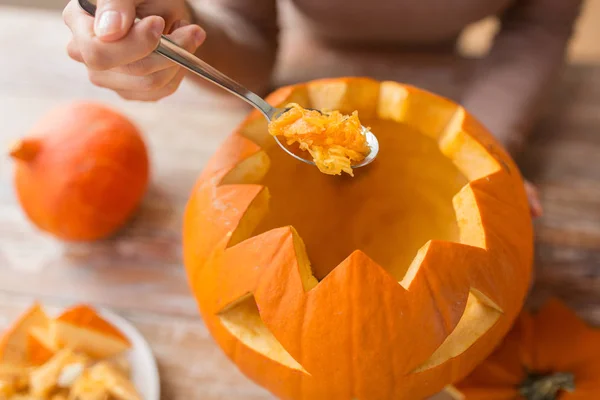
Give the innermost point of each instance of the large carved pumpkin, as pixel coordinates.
(388, 285)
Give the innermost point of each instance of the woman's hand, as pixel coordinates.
(534, 201)
(118, 53)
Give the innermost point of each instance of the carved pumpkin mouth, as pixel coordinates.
(390, 210)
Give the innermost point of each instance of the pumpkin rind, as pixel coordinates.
(359, 332)
(14, 342)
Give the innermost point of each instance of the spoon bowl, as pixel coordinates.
(372, 142)
(189, 61)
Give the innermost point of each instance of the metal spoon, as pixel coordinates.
(173, 52)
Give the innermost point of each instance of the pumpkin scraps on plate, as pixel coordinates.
(334, 140)
(76, 356)
(551, 355)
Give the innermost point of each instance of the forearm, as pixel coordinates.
(507, 93)
(241, 45)
(513, 81)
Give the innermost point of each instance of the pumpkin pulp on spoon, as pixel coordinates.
(334, 140)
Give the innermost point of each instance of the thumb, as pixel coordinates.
(113, 19)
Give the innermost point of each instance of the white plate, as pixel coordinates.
(143, 364)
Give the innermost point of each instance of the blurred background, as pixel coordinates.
(475, 40)
(139, 273)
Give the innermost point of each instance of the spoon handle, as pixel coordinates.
(173, 52)
(182, 57)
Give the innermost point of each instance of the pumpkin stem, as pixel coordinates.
(25, 149)
(547, 387)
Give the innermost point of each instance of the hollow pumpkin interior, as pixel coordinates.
(389, 209)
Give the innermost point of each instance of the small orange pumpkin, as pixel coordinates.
(388, 285)
(81, 172)
(552, 355)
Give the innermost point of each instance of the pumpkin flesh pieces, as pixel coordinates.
(334, 140)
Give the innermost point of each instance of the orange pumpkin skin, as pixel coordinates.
(81, 171)
(394, 329)
(553, 341)
(83, 315)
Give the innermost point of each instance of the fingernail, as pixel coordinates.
(157, 26)
(108, 23)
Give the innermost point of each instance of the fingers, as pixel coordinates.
(119, 54)
(141, 41)
(123, 82)
(150, 78)
(157, 94)
(113, 19)
(535, 204)
(189, 37)
(73, 51)
(97, 54)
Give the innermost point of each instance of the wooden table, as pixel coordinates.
(139, 272)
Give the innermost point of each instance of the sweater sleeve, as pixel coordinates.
(510, 84)
(242, 38)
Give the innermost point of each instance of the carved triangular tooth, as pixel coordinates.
(241, 268)
(414, 266)
(243, 321)
(497, 210)
(438, 278)
(234, 150)
(392, 101)
(346, 96)
(250, 170)
(378, 298)
(475, 128)
(359, 260)
(465, 151)
(223, 216)
(476, 319)
(468, 218)
(484, 296)
(484, 207)
(441, 256)
(309, 281)
(495, 187)
(481, 277)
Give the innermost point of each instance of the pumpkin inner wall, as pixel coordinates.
(388, 210)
